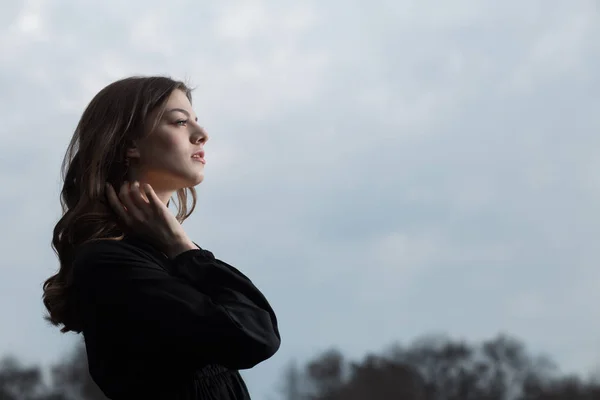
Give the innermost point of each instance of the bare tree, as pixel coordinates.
(18, 382)
(72, 377)
(438, 368)
(293, 383)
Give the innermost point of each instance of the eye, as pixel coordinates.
(181, 122)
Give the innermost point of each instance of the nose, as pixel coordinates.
(200, 135)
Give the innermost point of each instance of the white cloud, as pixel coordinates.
(561, 49)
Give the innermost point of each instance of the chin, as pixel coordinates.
(186, 181)
(197, 180)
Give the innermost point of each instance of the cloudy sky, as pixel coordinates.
(381, 169)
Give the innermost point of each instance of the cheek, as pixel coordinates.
(166, 142)
(169, 153)
(163, 145)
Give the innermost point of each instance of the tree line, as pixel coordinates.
(438, 368)
(67, 380)
(431, 368)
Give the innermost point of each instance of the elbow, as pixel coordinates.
(259, 354)
(256, 352)
(256, 341)
(269, 348)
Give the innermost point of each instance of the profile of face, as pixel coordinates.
(170, 157)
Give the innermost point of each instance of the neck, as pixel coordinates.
(163, 194)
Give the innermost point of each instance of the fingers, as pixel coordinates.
(116, 204)
(135, 204)
(126, 199)
(137, 197)
(153, 199)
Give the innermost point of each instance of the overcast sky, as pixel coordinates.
(380, 169)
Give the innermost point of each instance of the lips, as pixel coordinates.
(199, 156)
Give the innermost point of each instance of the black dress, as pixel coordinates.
(157, 328)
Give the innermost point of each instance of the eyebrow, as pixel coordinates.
(181, 110)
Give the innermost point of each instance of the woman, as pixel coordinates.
(161, 317)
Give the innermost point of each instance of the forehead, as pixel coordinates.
(178, 99)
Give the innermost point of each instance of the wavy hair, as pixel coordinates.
(118, 115)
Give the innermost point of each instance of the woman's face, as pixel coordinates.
(172, 156)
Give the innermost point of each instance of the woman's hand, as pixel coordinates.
(145, 214)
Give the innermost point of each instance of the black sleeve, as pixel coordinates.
(203, 311)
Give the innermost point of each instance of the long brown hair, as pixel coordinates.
(116, 116)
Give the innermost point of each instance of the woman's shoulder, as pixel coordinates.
(98, 256)
(101, 248)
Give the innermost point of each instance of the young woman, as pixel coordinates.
(161, 317)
